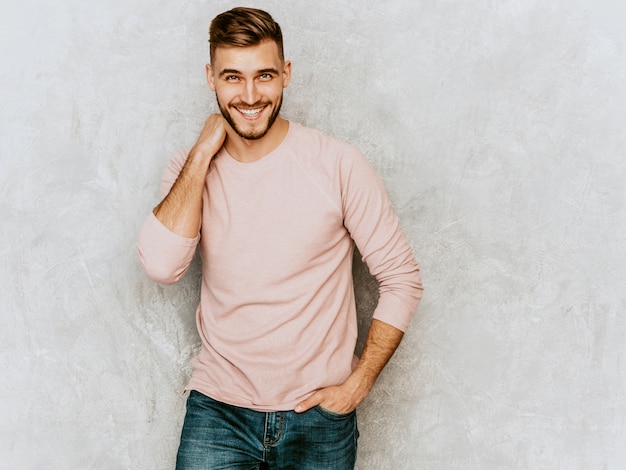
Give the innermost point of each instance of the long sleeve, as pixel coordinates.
(375, 229)
(165, 255)
(277, 317)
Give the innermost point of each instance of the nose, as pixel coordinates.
(250, 92)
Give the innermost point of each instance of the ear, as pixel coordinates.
(210, 78)
(286, 73)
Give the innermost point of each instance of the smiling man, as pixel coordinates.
(262, 95)
(276, 209)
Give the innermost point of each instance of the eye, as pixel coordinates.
(232, 78)
(266, 76)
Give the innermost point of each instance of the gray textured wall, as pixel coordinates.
(498, 127)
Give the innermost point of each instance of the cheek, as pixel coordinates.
(225, 95)
(275, 91)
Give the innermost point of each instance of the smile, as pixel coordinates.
(251, 112)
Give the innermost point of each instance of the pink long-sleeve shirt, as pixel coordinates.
(277, 317)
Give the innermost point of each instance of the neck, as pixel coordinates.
(246, 151)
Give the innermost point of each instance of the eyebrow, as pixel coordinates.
(237, 72)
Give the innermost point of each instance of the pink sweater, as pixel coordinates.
(277, 318)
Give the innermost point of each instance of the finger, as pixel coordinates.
(309, 403)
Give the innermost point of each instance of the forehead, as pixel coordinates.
(260, 56)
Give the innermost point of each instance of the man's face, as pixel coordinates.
(248, 84)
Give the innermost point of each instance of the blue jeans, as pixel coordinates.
(218, 436)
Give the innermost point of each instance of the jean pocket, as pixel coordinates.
(332, 414)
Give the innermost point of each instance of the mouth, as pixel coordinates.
(251, 113)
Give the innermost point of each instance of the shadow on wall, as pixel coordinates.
(366, 298)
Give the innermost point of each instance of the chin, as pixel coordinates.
(251, 134)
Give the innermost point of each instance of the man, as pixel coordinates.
(276, 209)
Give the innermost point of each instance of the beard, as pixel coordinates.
(250, 135)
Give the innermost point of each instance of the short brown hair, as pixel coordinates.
(241, 27)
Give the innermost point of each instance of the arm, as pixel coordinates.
(174, 224)
(382, 341)
(181, 210)
(374, 227)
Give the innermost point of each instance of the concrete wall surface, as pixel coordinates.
(498, 127)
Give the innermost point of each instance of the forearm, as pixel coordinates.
(181, 210)
(382, 341)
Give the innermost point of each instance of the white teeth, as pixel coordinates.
(250, 112)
